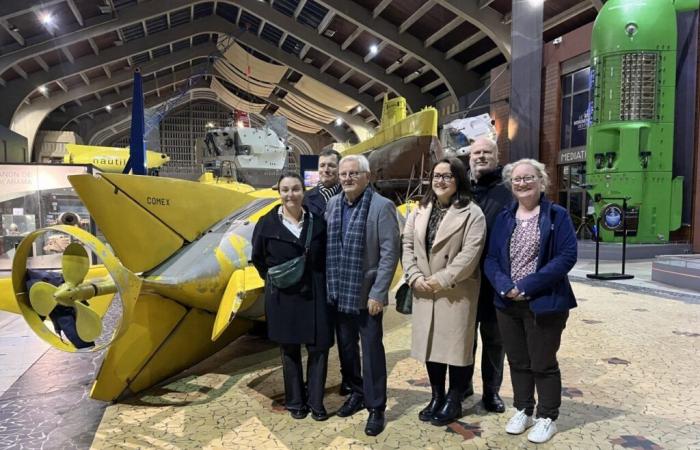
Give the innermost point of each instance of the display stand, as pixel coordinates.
(612, 275)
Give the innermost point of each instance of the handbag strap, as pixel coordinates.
(309, 231)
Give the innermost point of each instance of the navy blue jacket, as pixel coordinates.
(315, 202)
(548, 288)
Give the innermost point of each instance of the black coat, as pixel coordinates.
(315, 202)
(492, 196)
(298, 314)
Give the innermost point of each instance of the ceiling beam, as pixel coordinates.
(432, 85)
(85, 78)
(380, 7)
(366, 86)
(346, 75)
(20, 71)
(12, 31)
(327, 64)
(486, 19)
(484, 3)
(398, 63)
(598, 4)
(465, 44)
(482, 58)
(94, 47)
(371, 55)
(325, 22)
(300, 6)
(62, 85)
(442, 32)
(458, 82)
(107, 71)
(69, 55)
(76, 12)
(304, 50)
(415, 74)
(566, 15)
(413, 18)
(354, 35)
(39, 60)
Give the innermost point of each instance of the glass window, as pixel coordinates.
(575, 108)
(581, 80)
(566, 123)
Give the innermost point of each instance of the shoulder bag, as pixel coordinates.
(290, 272)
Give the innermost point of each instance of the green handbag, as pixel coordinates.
(290, 272)
(404, 299)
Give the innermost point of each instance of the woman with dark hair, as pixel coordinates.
(442, 244)
(296, 310)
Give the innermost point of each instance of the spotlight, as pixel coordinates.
(338, 121)
(536, 2)
(358, 110)
(239, 124)
(46, 18)
(210, 125)
(373, 49)
(108, 108)
(43, 89)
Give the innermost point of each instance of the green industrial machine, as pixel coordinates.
(630, 139)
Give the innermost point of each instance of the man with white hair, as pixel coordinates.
(491, 195)
(362, 253)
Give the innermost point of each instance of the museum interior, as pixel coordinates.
(142, 143)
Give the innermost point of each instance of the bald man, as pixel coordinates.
(491, 195)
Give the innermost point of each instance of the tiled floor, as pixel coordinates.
(631, 376)
(630, 364)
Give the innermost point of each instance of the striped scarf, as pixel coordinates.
(327, 193)
(344, 256)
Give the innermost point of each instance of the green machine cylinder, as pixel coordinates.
(630, 138)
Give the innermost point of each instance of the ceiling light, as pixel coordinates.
(108, 108)
(536, 2)
(358, 110)
(43, 89)
(46, 18)
(210, 124)
(373, 49)
(338, 121)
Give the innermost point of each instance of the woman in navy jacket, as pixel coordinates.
(532, 247)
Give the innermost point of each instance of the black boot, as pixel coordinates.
(436, 402)
(451, 410)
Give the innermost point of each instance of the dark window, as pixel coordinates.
(574, 111)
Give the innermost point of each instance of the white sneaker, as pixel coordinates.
(519, 423)
(543, 431)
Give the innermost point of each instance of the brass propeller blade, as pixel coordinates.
(87, 322)
(41, 298)
(75, 264)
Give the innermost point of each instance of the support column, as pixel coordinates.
(526, 80)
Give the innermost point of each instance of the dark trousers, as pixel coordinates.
(367, 379)
(531, 343)
(437, 372)
(292, 369)
(492, 355)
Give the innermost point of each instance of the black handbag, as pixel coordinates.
(404, 299)
(290, 272)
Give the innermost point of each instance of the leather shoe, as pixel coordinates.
(353, 404)
(300, 413)
(319, 415)
(451, 410)
(375, 422)
(345, 388)
(436, 401)
(493, 402)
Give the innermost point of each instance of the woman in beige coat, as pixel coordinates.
(442, 244)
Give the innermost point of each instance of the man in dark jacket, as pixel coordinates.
(328, 186)
(491, 195)
(316, 200)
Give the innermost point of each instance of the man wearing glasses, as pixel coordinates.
(492, 196)
(362, 254)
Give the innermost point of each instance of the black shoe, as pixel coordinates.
(451, 410)
(492, 402)
(470, 391)
(319, 415)
(436, 402)
(345, 388)
(353, 404)
(300, 413)
(375, 422)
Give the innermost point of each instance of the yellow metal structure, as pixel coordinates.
(178, 257)
(109, 159)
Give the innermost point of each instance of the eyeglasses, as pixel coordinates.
(526, 179)
(446, 177)
(351, 175)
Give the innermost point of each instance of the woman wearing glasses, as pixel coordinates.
(531, 249)
(296, 310)
(442, 243)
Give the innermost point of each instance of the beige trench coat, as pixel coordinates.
(444, 322)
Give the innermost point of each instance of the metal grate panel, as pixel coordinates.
(312, 14)
(157, 24)
(638, 89)
(227, 11)
(179, 17)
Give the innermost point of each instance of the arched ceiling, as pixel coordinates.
(64, 73)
